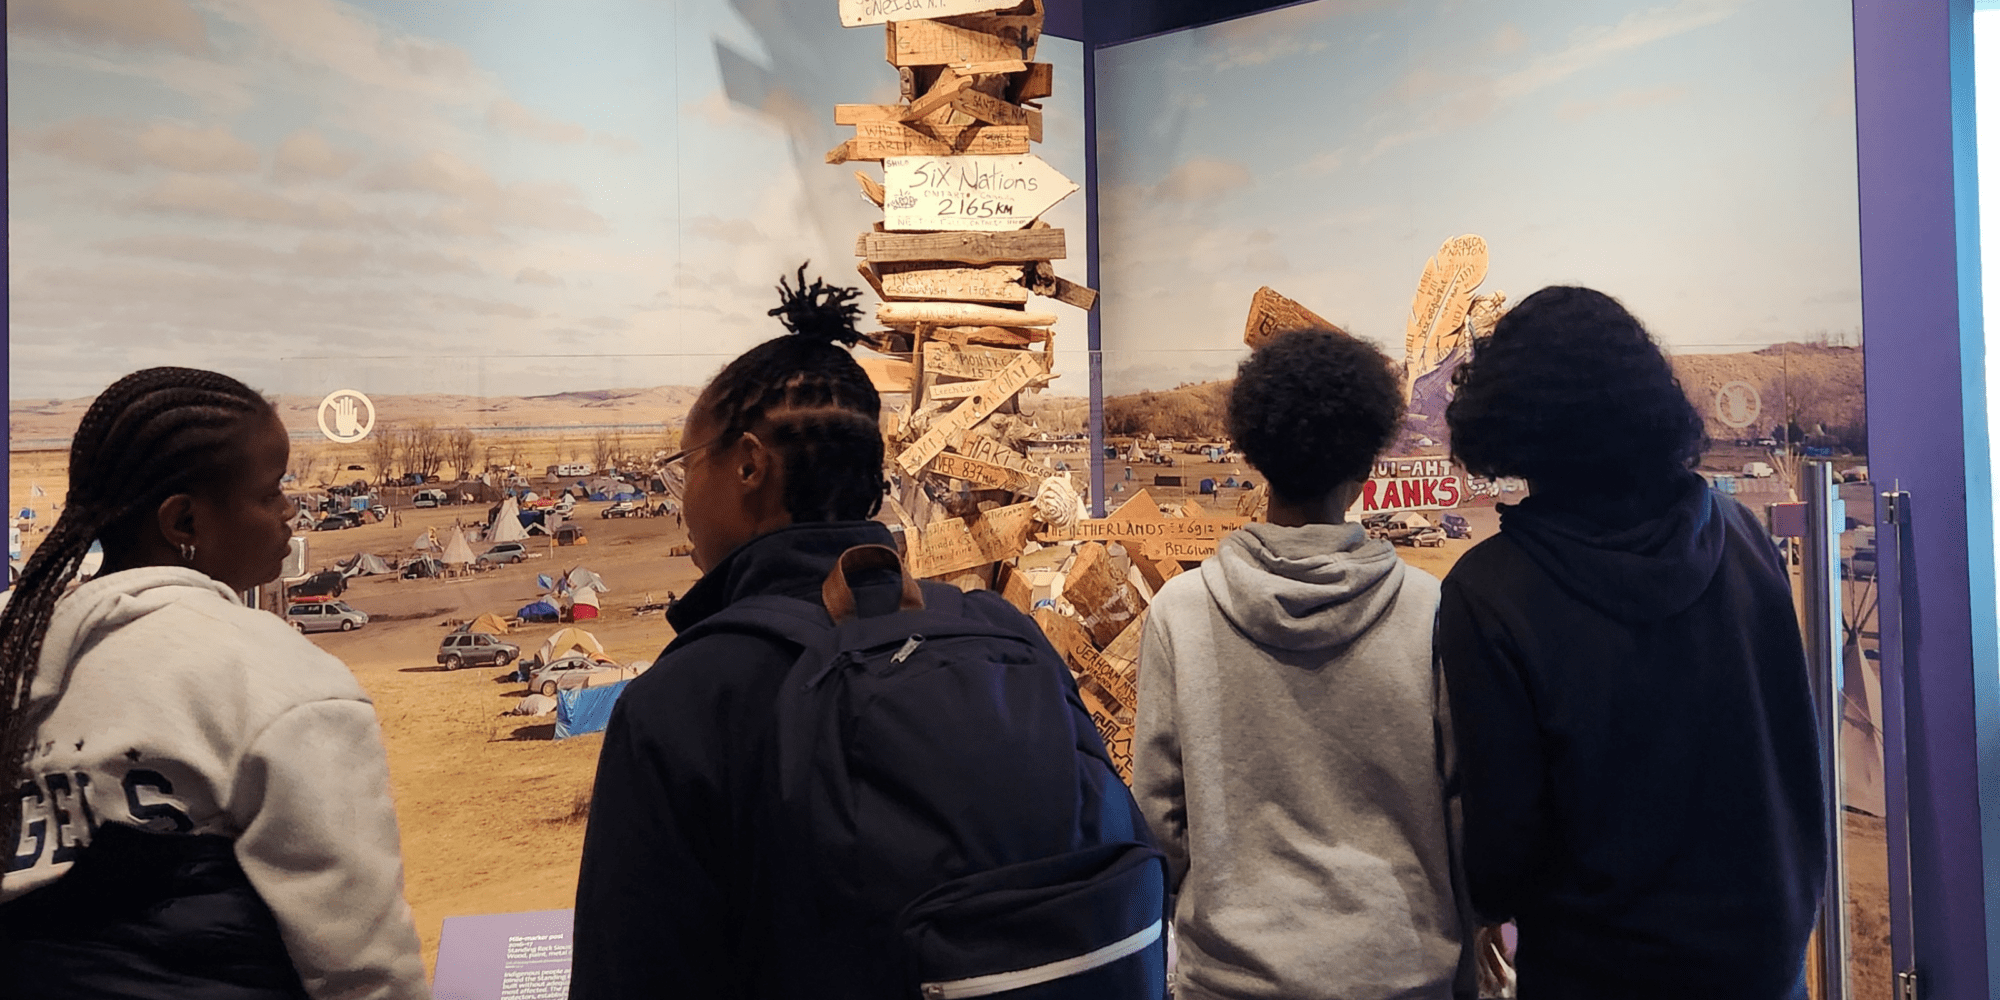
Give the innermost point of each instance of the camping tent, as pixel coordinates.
(507, 526)
(426, 542)
(586, 709)
(540, 611)
(568, 640)
(456, 551)
(422, 568)
(366, 564)
(489, 623)
(579, 578)
(583, 604)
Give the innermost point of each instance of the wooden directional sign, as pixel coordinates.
(968, 248)
(936, 43)
(957, 314)
(947, 428)
(986, 474)
(971, 362)
(941, 547)
(1182, 550)
(1272, 314)
(857, 13)
(908, 282)
(1002, 532)
(993, 194)
(1181, 529)
(880, 140)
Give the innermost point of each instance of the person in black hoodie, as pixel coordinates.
(1638, 751)
(681, 892)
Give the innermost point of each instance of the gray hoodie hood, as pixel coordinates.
(1310, 587)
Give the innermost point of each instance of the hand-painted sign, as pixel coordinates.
(858, 13)
(1738, 403)
(1412, 484)
(975, 193)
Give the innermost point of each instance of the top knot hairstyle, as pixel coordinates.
(1571, 392)
(151, 435)
(1312, 409)
(811, 401)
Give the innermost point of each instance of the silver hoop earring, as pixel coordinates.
(187, 553)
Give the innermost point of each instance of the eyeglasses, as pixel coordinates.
(673, 470)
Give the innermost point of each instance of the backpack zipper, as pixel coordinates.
(909, 646)
(1001, 982)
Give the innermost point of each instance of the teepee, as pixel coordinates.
(507, 526)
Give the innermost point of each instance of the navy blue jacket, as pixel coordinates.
(1638, 751)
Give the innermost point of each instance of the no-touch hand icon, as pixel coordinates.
(346, 416)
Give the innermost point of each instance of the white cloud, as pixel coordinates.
(125, 146)
(218, 198)
(306, 154)
(537, 276)
(1202, 179)
(1624, 101)
(510, 117)
(170, 24)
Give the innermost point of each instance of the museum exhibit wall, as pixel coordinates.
(537, 228)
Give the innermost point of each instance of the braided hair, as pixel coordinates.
(816, 405)
(151, 435)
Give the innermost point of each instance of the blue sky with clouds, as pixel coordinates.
(502, 198)
(1693, 157)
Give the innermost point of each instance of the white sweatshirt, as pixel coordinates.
(1286, 761)
(185, 712)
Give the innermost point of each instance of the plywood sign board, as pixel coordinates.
(859, 13)
(949, 427)
(966, 248)
(1272, 314)
(1176, 529)
(984, 474)
(973, 193)
(936, 43)
(999, 284)
(971, 362)
(881, 140)
(942, 547)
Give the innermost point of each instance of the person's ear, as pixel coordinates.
(175, 518)
(753, 464)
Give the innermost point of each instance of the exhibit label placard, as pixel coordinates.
(505, 956)
(971, 193)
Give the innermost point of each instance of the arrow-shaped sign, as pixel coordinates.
(977, 193)
(855, 13)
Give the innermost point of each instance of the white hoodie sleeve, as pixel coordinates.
(320, 845)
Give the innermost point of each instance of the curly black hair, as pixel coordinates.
(808, 397)
(1312, 409)
(1570, 391)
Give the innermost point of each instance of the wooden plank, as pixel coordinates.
(869, 189)
(994, 111)
(887, 374)
(985, 474)
(1001, 533)
(1072, 640)
(1014, 586)
(881, 140)
(856, 13)
(943, 93)
(970, 193)
(1036, 81)
(999, 336)
(1004, 67)
(941, 547)
(1272, 314)
(970, 362)
(907, 78)
(874, 279)
(957, 314)
(986, 448)
(903, 283)
(1043, 280)
(937, 43)
(1176, 528)
(1179, 550)
(966, 248)
(1102, 601)
(1123, 652)
(1139, 507)
(967, 415)
(856, 114)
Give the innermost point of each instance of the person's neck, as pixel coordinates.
(1611, 509)
(1329, 509)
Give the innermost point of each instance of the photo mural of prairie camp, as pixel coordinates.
(1405, 171)
(483, 256)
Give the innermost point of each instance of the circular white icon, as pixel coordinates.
(1737, 404)
(346, 416)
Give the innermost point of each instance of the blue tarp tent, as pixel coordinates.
(540, 611)
(1207, 486)
(585, 710)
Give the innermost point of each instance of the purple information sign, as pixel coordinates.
(504, 956)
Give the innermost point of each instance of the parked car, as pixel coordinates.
(1456, 526)
(324, 616)
(475, 649)
(565, 672)
(623, 508)
(430, 498)
(1758, 470)
(504, 554)
(325, 583)
(338, 522)
(1426, 537)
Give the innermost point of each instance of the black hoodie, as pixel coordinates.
(677, 893)
(1640, 764)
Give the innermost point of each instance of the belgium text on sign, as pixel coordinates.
(1412, 484)
(855, 13)
(975, 193)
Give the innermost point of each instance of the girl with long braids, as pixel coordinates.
(198, 797)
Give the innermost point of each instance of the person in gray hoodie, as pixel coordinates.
(1287, 754)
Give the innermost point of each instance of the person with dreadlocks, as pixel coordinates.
(693, 875)
(200, 799)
